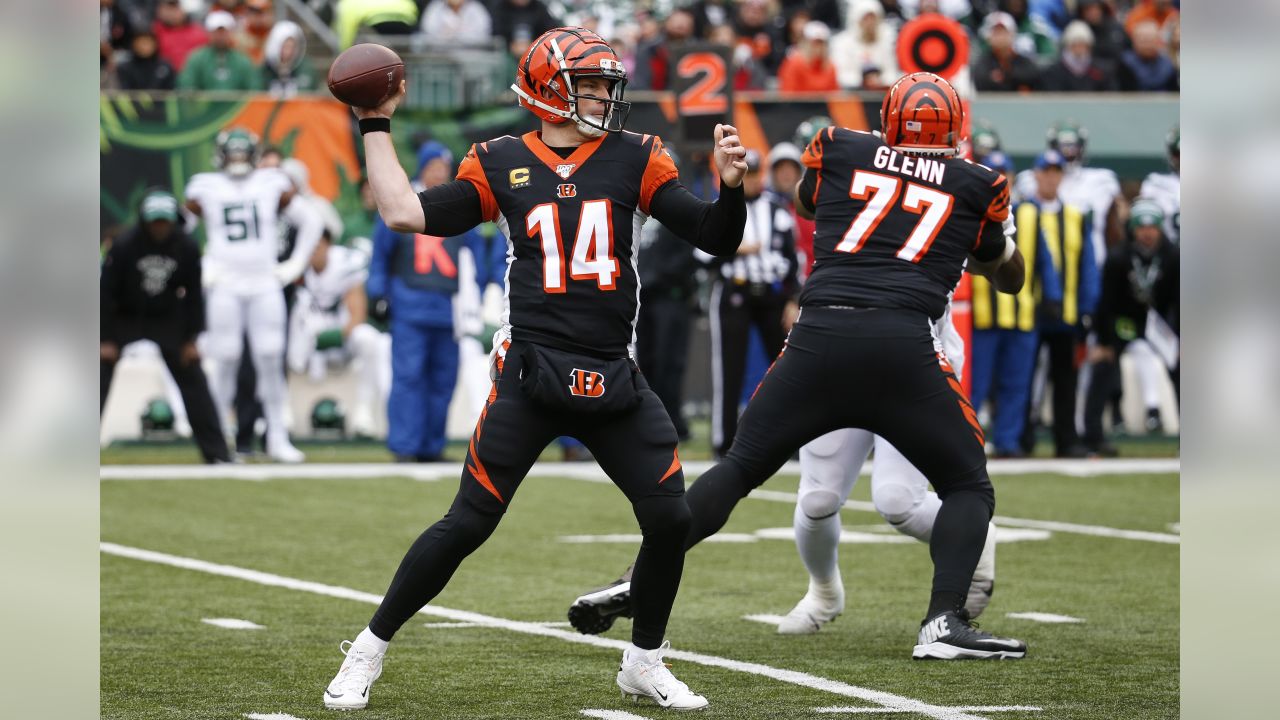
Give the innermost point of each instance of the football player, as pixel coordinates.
(240, 206)
(1165, 189)
(328, 324)
(897, 216)
(1093, 189)
(570, 199)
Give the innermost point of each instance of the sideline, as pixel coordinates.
(578, 471)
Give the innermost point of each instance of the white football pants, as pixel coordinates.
(262, 315)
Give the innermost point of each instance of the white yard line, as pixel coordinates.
(232, 623)
(890, 701)
(1044, 617)
(591, 472)
(961, 708)
(578, 471)
(764, 618)
(611, 715)
(271, 716)
(463, 625)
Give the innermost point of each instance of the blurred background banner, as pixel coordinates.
(149, 141)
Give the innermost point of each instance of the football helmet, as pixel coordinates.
(810, 127)
(1069, 139)
(922, 114)
(235, 151)
(983, 141)
(546, 79)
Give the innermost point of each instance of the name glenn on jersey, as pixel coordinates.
(918, 167)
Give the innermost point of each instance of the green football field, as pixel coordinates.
(305, 559)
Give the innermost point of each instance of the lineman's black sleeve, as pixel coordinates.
(991, 242)
(712, 227)
(451, 208)
(808, 186)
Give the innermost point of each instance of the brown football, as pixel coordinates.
(364, 75)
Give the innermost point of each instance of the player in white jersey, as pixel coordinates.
(829, 469)
(328, 326)
(1165, 189)
(240, 207)
(1093, 189)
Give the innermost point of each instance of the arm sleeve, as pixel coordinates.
(108, 287)
(193, 285)
(310, 228)
(659, 169)
(715, 228)
(991, 239)
(384, 240)
(808, 192)
(453, 208)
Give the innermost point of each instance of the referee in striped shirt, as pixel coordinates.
(757, 287)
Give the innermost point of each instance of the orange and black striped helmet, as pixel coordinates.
(546, 78)
(922, 114)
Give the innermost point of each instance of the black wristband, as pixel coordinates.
(377, 124)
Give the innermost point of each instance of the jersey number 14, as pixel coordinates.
(592, 257)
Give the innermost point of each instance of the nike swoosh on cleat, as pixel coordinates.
(1011, 644)
(659, 692)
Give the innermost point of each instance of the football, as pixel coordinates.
(364, 75)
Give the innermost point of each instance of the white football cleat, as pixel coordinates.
(822, 604)
(283, 451)
(984, 577)
(349, 689)
(644, 675)
(362, 422)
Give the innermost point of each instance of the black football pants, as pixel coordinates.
(194, 388)
(871, 369)
(636, 449)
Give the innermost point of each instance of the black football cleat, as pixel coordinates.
(594, 612)
(950, 636)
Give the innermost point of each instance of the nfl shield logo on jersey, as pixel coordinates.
(565, 169)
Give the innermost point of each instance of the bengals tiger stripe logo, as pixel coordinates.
(586, 383)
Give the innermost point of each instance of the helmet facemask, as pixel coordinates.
(616, 109)
(563, 87)
(237, 152)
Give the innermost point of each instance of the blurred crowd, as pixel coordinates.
(784, 45)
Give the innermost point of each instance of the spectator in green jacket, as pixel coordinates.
(218, 65)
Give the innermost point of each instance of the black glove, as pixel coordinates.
(380, 310)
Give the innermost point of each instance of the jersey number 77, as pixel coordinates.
(880, 192)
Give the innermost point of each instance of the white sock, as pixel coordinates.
(830, 589)
(367, 642)
(817, 541)
(633, 654)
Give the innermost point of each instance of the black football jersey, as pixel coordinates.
(893, 230)
(573, 224)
